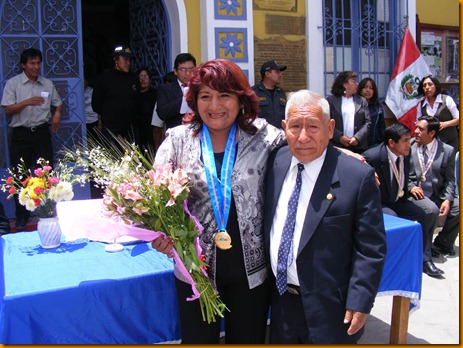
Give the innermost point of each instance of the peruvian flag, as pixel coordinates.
(402, 93)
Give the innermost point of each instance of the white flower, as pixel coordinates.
(62, 192)
(30, 205)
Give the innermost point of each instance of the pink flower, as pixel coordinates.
(38, 190)
(38, 172)
(47, 168)
(180, 176)
(140, 210)
(120, 210)
(131, 194)
(9, 180)
(175, 189)
(171, 202)
(12, 190)
(54, 181)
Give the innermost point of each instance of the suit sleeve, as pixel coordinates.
(370, 247)
(448, 176)
(364, 113)
(334, 115)
(169, 104)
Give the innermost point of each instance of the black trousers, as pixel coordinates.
(245, 323)
(29, 145)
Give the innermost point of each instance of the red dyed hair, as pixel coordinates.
(224, 76)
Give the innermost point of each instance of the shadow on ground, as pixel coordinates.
(378, 331)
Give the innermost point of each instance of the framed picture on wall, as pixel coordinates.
(440, 46)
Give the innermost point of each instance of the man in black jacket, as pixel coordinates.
(115, 96)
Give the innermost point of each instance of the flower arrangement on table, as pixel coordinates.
(40, 193)
(152, 198)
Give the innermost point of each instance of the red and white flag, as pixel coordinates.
(402, 93)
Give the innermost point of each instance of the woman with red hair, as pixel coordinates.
(224, 151)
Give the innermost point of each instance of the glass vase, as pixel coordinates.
(49, 232)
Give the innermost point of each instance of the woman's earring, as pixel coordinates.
(242, 109)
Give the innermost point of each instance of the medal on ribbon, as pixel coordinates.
(425, 167)
(398, 175)
(219, 190)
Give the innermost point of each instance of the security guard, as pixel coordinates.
(272, 99)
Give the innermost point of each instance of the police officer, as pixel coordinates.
(272, 98)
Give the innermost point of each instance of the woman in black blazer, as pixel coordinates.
(350, 112)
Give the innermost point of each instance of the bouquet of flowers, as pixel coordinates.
(152, 198)
(40, 193)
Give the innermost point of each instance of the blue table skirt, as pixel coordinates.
(403, 267)
(81, 294)
(78, 293)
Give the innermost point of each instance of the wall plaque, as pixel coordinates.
(276, 5)
(285, 52)
(284, 25)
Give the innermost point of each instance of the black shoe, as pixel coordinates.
(21, 223)
(431, 270)
(444, 250)
(435, 252)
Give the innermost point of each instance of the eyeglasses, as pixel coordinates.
(353, 81)
(184, 70)
(143, 77)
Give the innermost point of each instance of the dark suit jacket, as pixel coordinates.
(362, 121)
(442, 171)
(378, 159)
(343, 243)
(169, 102)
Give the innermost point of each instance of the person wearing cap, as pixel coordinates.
(115, 97)
(28, 99)
(272, 98)
(172, 107)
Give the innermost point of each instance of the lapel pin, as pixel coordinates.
(329, 196)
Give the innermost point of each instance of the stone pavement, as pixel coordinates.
(437, 321)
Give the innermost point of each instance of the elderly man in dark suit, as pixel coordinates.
(432, 181)
(327, 245)
(172, 106)
(391, 162)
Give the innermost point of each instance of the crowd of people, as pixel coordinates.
(308, 240)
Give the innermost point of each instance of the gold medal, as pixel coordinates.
(423, 178)
(401, 193)
(223, 240)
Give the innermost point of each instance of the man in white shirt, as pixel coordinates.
(28, 99)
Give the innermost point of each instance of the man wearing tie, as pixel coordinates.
(324, 232)
(391, 162)
(432, 181)
(172, 106)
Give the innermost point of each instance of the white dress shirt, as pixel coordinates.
(348, 113)
(309, 177)
(449, 102)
